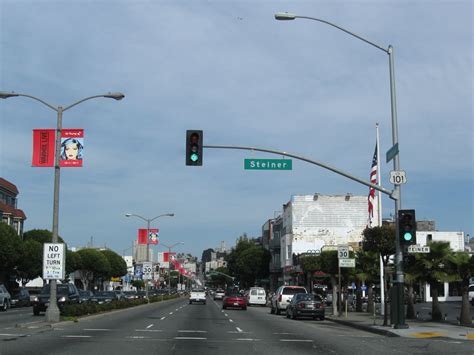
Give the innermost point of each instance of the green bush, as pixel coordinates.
(77, 310)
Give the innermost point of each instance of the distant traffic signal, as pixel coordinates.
(407, 227)
(194, 144)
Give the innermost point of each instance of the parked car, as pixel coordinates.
(5, 298)
(471, 293)
(198, 296)
(34, 294)
(20, 298)
(101, 297)
(85, 296)
(219, 294)
(257, 296)
(306, 305)
(234, 300)
(130, 295)
(66, 294)
(119, 293)
(283, 296)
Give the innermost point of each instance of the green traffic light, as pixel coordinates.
(194, 157)
(407, 236)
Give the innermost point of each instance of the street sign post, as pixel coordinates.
(347, 263)
(343, 252)
(412, 249)
(147, 270)
(398, 177)
(268, 164)
(54, 264)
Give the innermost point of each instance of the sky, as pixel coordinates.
(230, 69)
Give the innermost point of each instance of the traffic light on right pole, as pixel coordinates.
(194, 142)
(407, 228)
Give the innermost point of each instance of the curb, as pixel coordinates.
(364, 327)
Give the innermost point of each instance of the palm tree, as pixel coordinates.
(463, 266)
(367, 271)
(432, 269)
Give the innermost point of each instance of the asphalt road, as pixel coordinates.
(175, 327)
(13, 316)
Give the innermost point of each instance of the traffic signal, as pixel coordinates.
(194, 147)
(407, 227)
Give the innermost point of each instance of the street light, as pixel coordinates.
(52, 313)
(396, 195)
(169, 252)
(148, 222)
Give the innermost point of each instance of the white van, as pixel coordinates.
(257, 296)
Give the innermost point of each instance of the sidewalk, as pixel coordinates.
(416, 328)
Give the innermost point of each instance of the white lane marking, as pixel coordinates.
(283, 333)
(248, 339)
(235, 332)
(238, 329)
(171, 312)
(76, 336)
(177, 309)
(230, 320)
(295, 340)
(11, 335)
(162, 318)
(151, 325)
(226, 314)
(189, 338)
(192, 331)
(136, 337)
(148, 330)
(97, 330)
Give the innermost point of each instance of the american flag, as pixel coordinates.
(373, 180)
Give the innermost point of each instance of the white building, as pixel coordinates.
(449, 291)
(311, 222)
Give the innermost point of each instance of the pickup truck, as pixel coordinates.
(197, 295)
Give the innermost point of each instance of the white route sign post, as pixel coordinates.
(54, 261)
(398, 177)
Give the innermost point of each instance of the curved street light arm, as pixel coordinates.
(117, 96)
(37, 99)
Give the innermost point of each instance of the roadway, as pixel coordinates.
(175, 327)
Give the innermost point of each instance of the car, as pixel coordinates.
(257, 296)
(66, 294)
(219, 294)
(102, 297)
(283, 296)
(120, 294)
(471, 293)
(198, 296)
(85, 296)
(20, 298)
(306, 305)
(234, 300)
(5, 298)
(130, 295)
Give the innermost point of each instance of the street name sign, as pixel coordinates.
(392, 152)
(54, 262)
(347, 262)
(268, 164)
(343, 252)
(147, 270)
(398, 177)
(418, 249)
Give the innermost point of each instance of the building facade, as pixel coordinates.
(9, 213)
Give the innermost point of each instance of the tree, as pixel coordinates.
(138, 284)
(10, 252)
(433, 269)
(73, 261)
(118, 266)
(330, 265)
(40, 235)
(310, 264)
(381, 240)
(367, 271)
(31, 260)
(463, 267)
(94, 266)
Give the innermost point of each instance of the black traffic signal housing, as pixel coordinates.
(407, 228)
(194, 142)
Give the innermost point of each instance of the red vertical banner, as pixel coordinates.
(142, 236)
(43, 147)
(72, 147)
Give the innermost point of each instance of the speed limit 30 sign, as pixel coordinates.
(343, 252)
(398, 177)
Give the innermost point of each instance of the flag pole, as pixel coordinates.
(379, 223)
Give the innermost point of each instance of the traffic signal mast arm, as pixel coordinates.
(393, 194)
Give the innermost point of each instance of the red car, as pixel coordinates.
(234, 300)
